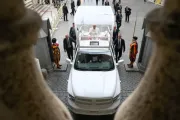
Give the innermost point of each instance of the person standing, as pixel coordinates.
(116, 8)
(127, 13)
(133, 51)
(56, 53)
(119, 47)
(119, 7)
(97, 2)
(65, 12)
(102, 2)
(72, 32)
(118, 19)
(106, 3)
(78, 3)
(72, 7)
(68, 46)
(115, 34)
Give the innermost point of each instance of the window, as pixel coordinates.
(101, 61)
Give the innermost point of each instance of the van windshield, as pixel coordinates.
(93, 61)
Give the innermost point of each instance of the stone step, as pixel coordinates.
(37, 7)
(28, 3)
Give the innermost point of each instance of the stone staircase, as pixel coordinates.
(42, 9)
(39, 8)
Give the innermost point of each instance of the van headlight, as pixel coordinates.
(71, 97)
(116, 98)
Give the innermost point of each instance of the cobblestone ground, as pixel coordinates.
(57, 81)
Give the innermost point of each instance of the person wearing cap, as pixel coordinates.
(68, 46)
(94, 31)
(119, 47)
(78, 3)
(118, 19)
(56, 53)
(133, 51)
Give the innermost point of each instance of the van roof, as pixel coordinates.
(90, 15)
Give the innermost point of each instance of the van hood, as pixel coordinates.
(94, 84)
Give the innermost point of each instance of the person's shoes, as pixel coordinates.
(58, 67)
(66, 20)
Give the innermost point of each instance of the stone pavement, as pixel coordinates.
(129, 80)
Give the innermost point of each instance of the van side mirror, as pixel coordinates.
(68, 61)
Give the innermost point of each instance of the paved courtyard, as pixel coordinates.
(129, 80)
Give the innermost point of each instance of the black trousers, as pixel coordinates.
(118, 24)
(73, 11)
(102, 2)
(118, 54)
(96, 2)
(65, 16)
(127, 18)
(70, 53)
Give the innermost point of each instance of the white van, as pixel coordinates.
(94, 86)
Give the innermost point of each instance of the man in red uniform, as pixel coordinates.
(133, 51)
(56, 52)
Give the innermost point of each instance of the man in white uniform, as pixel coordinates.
(94, 31)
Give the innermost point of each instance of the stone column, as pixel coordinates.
(158, 95)
(24, 95)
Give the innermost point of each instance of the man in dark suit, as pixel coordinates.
(72, 7)
(97, 2)
(119, 47)
(65, 12)
(102, 2)
(72, 32)
(115, 34)
(119, 19)
(68, 46)
(127, 13)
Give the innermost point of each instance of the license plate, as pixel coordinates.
(93, 111)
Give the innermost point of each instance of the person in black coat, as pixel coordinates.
(127, 13)
(97, 2)
(72, 7)
(106, 3)
(115, 34)
(102, 2)
(68, 46)
(116, 7)
(72, 32)
(119, 47)
(78, 3)
(65, 12)
(118, 19)
(119, 7)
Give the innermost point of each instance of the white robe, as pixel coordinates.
(94, 32)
